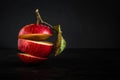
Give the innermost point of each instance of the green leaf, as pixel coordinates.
(60, 42)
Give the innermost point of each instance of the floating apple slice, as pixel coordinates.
(27, 58)
(35, 48)
(35, 32)
(60, 43)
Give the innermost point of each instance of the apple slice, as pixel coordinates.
(35, 32)
(27, 58)
(35, 48)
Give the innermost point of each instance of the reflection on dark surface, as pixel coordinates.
(73, 64)
(41, 73)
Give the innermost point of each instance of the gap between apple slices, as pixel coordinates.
(36, 37)
(37, 42)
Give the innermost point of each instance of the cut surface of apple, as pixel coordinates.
(35, 36)
(35, 48)
(27, 58)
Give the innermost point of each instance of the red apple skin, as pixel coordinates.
(35, 29)
(35, 49)
(30, 59)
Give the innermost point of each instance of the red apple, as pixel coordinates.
(35, 48)
(30, 40)
(35, 32)
(27, 58)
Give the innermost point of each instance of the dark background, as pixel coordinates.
(85, 24)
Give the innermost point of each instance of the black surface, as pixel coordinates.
(73, 64)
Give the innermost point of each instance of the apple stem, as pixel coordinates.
(39, 19)
(48, 24)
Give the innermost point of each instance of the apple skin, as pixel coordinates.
(35, 32)
(35, 48)
(26, 58)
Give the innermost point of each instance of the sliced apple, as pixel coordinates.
(35, 48)
(27, 58)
